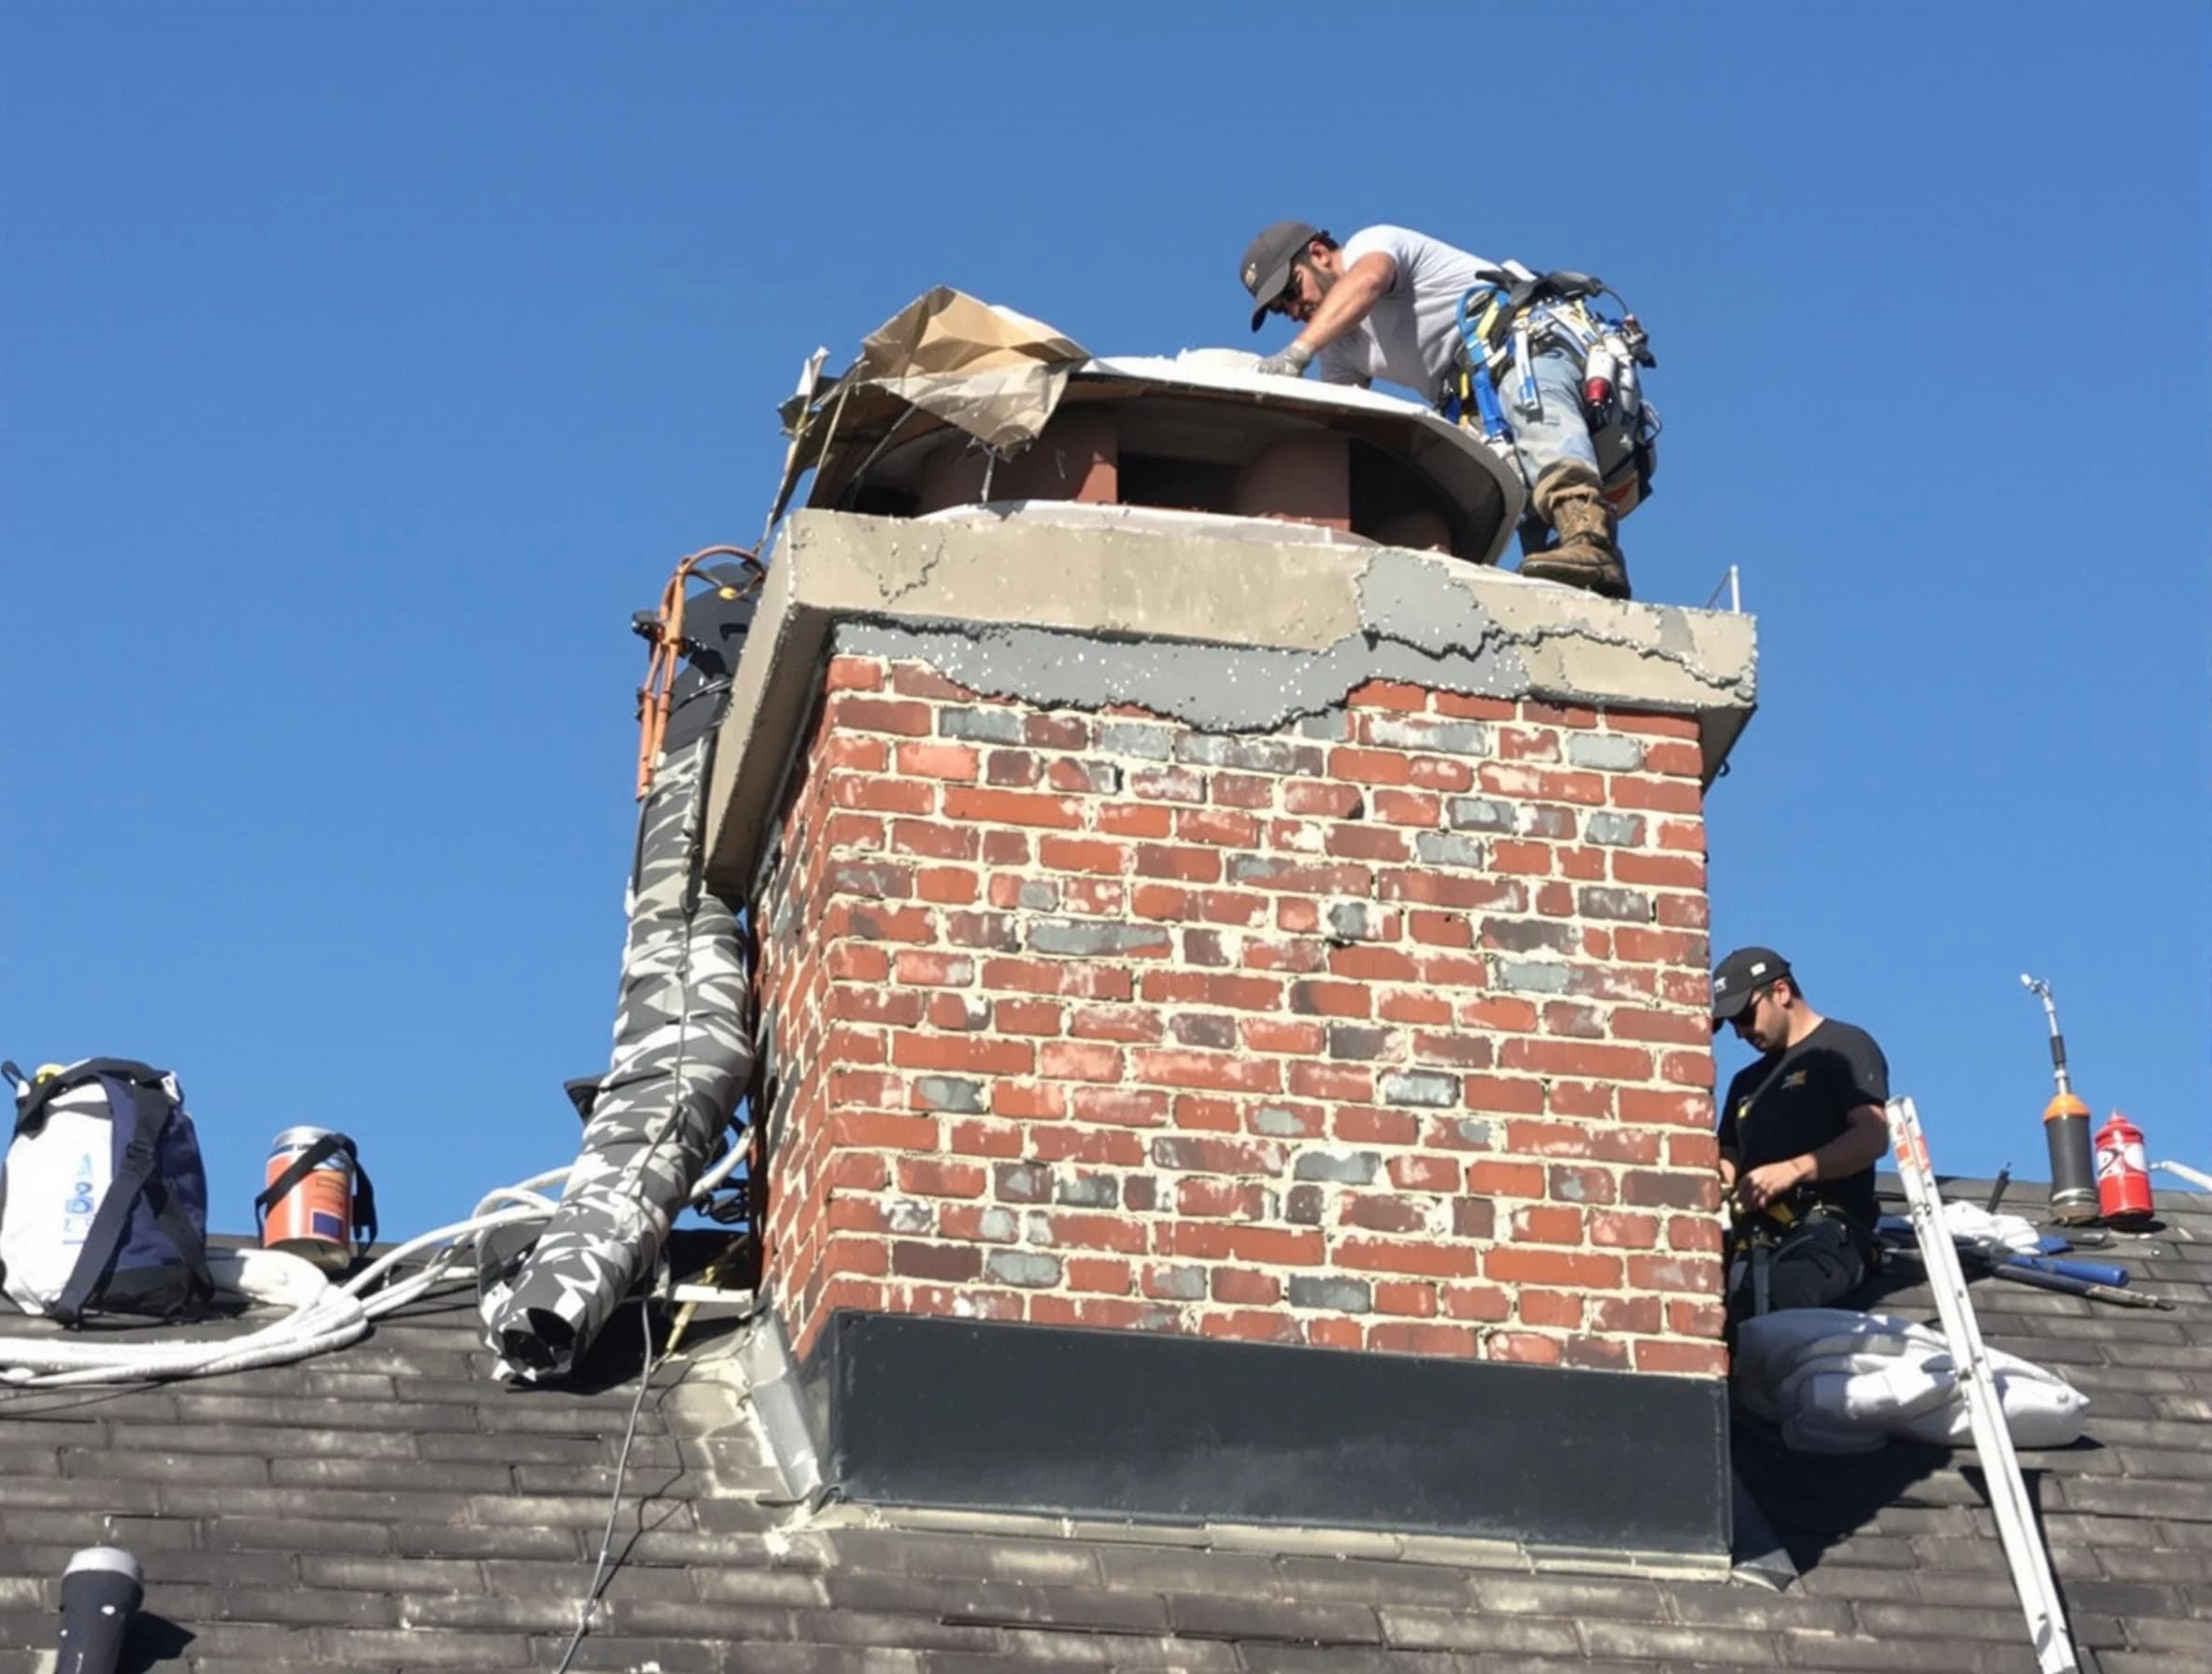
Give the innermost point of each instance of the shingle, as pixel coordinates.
(1226, 1615)
(1471, 1630)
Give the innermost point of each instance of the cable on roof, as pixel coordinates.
(603, 1572)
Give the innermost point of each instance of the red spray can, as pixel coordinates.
(2124, 1177)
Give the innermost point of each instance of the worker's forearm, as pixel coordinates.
(1726, 1167)
(1345, 306)
(1851, 1151)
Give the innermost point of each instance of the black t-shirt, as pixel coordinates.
(1795, 1101)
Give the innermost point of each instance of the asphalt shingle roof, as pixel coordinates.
(391, 1506)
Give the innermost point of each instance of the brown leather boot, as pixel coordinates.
(1569, 497)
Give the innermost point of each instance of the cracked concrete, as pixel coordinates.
(1227, 635)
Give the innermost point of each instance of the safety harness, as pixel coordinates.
(1516, 315)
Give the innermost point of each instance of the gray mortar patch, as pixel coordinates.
(1416, 626)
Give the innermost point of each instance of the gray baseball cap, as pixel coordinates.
(1266, 269)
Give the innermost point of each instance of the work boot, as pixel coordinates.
(1570, 498)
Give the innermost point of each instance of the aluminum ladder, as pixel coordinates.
(2000, 1465)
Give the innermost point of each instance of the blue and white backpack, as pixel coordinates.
(103, 1198)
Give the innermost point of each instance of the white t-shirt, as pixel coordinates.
(1408, 335)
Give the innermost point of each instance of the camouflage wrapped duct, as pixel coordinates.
(683, 1057)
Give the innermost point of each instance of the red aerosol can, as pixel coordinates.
(2123, 1176)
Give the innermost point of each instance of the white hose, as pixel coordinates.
(322, 1315)
(2201, 1181)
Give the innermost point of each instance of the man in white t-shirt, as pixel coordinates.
(1385, 304)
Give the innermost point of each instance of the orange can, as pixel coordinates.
(312, 1216)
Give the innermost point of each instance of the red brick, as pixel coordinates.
(1569, 1183)
(1665, 796)
(1699, 1358)
(1510, 1264)
(1081, 854)
(1579, 1099)
(1380, 1212)
(1079, 1060)
(1439, 772)
(1250, 1327)
(949, 1262)
(850, 961)
(919, 680)
(1410, 1336)
(1013, 808)
(1190, 865)
(1245, 1287)
(1320, 796)
(939, 1177)
(856, 753)
(1631, 1022)
(1127, 1108)
(979, 1138)
(873, 1131)
(1030, 1100)
(1243, 790)
(1501, 1095)
(1651, 723)
(975, 1055)
(1388, 694)
(1534, 859)
(936, 761)
(1408, 808)
(1330, 1000)
(1406, 1298)
(880, 715)
(947, 885)
(1669, 871)
(1440, 930)
(887, 796)
(1548, 1224)
(1364, 1125)
(1573, 1058)
(1696, 1319)
(1366, 842)
(1364, 963)
(1634, 1315)
(1133, 820)
(1370, 767)
(854, 673)
(1687, 1068)
(1412, 1005)
(1695, 1232)
(1684, 1273)
(1476, 1301)
(1421, 1174)
(1026, 1018)
(1265, 1034)
(1464, 706)
(1223, 1071)
(1124, 1023)
(1218, 826)
(1556, 1307)
(1405, 1255)
(1620, 1230)
(1099, 1273)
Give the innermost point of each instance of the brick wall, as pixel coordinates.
(1385, 1032)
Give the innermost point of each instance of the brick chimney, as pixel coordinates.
(1236, 1025)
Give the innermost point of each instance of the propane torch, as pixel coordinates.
(2066, 1129)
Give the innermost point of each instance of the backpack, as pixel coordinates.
(103, 1197)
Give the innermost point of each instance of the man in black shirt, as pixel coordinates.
(1800, 1130)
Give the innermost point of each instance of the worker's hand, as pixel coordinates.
(1771, 1181)
(1291, 363)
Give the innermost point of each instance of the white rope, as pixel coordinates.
(321, 1315)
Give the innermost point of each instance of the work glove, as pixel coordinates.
(1290, 363)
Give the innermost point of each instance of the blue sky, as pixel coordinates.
(363, 369)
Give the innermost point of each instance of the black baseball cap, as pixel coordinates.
(1741, 974)
(1266, 269)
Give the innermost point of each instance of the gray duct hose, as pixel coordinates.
(683, 1057)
